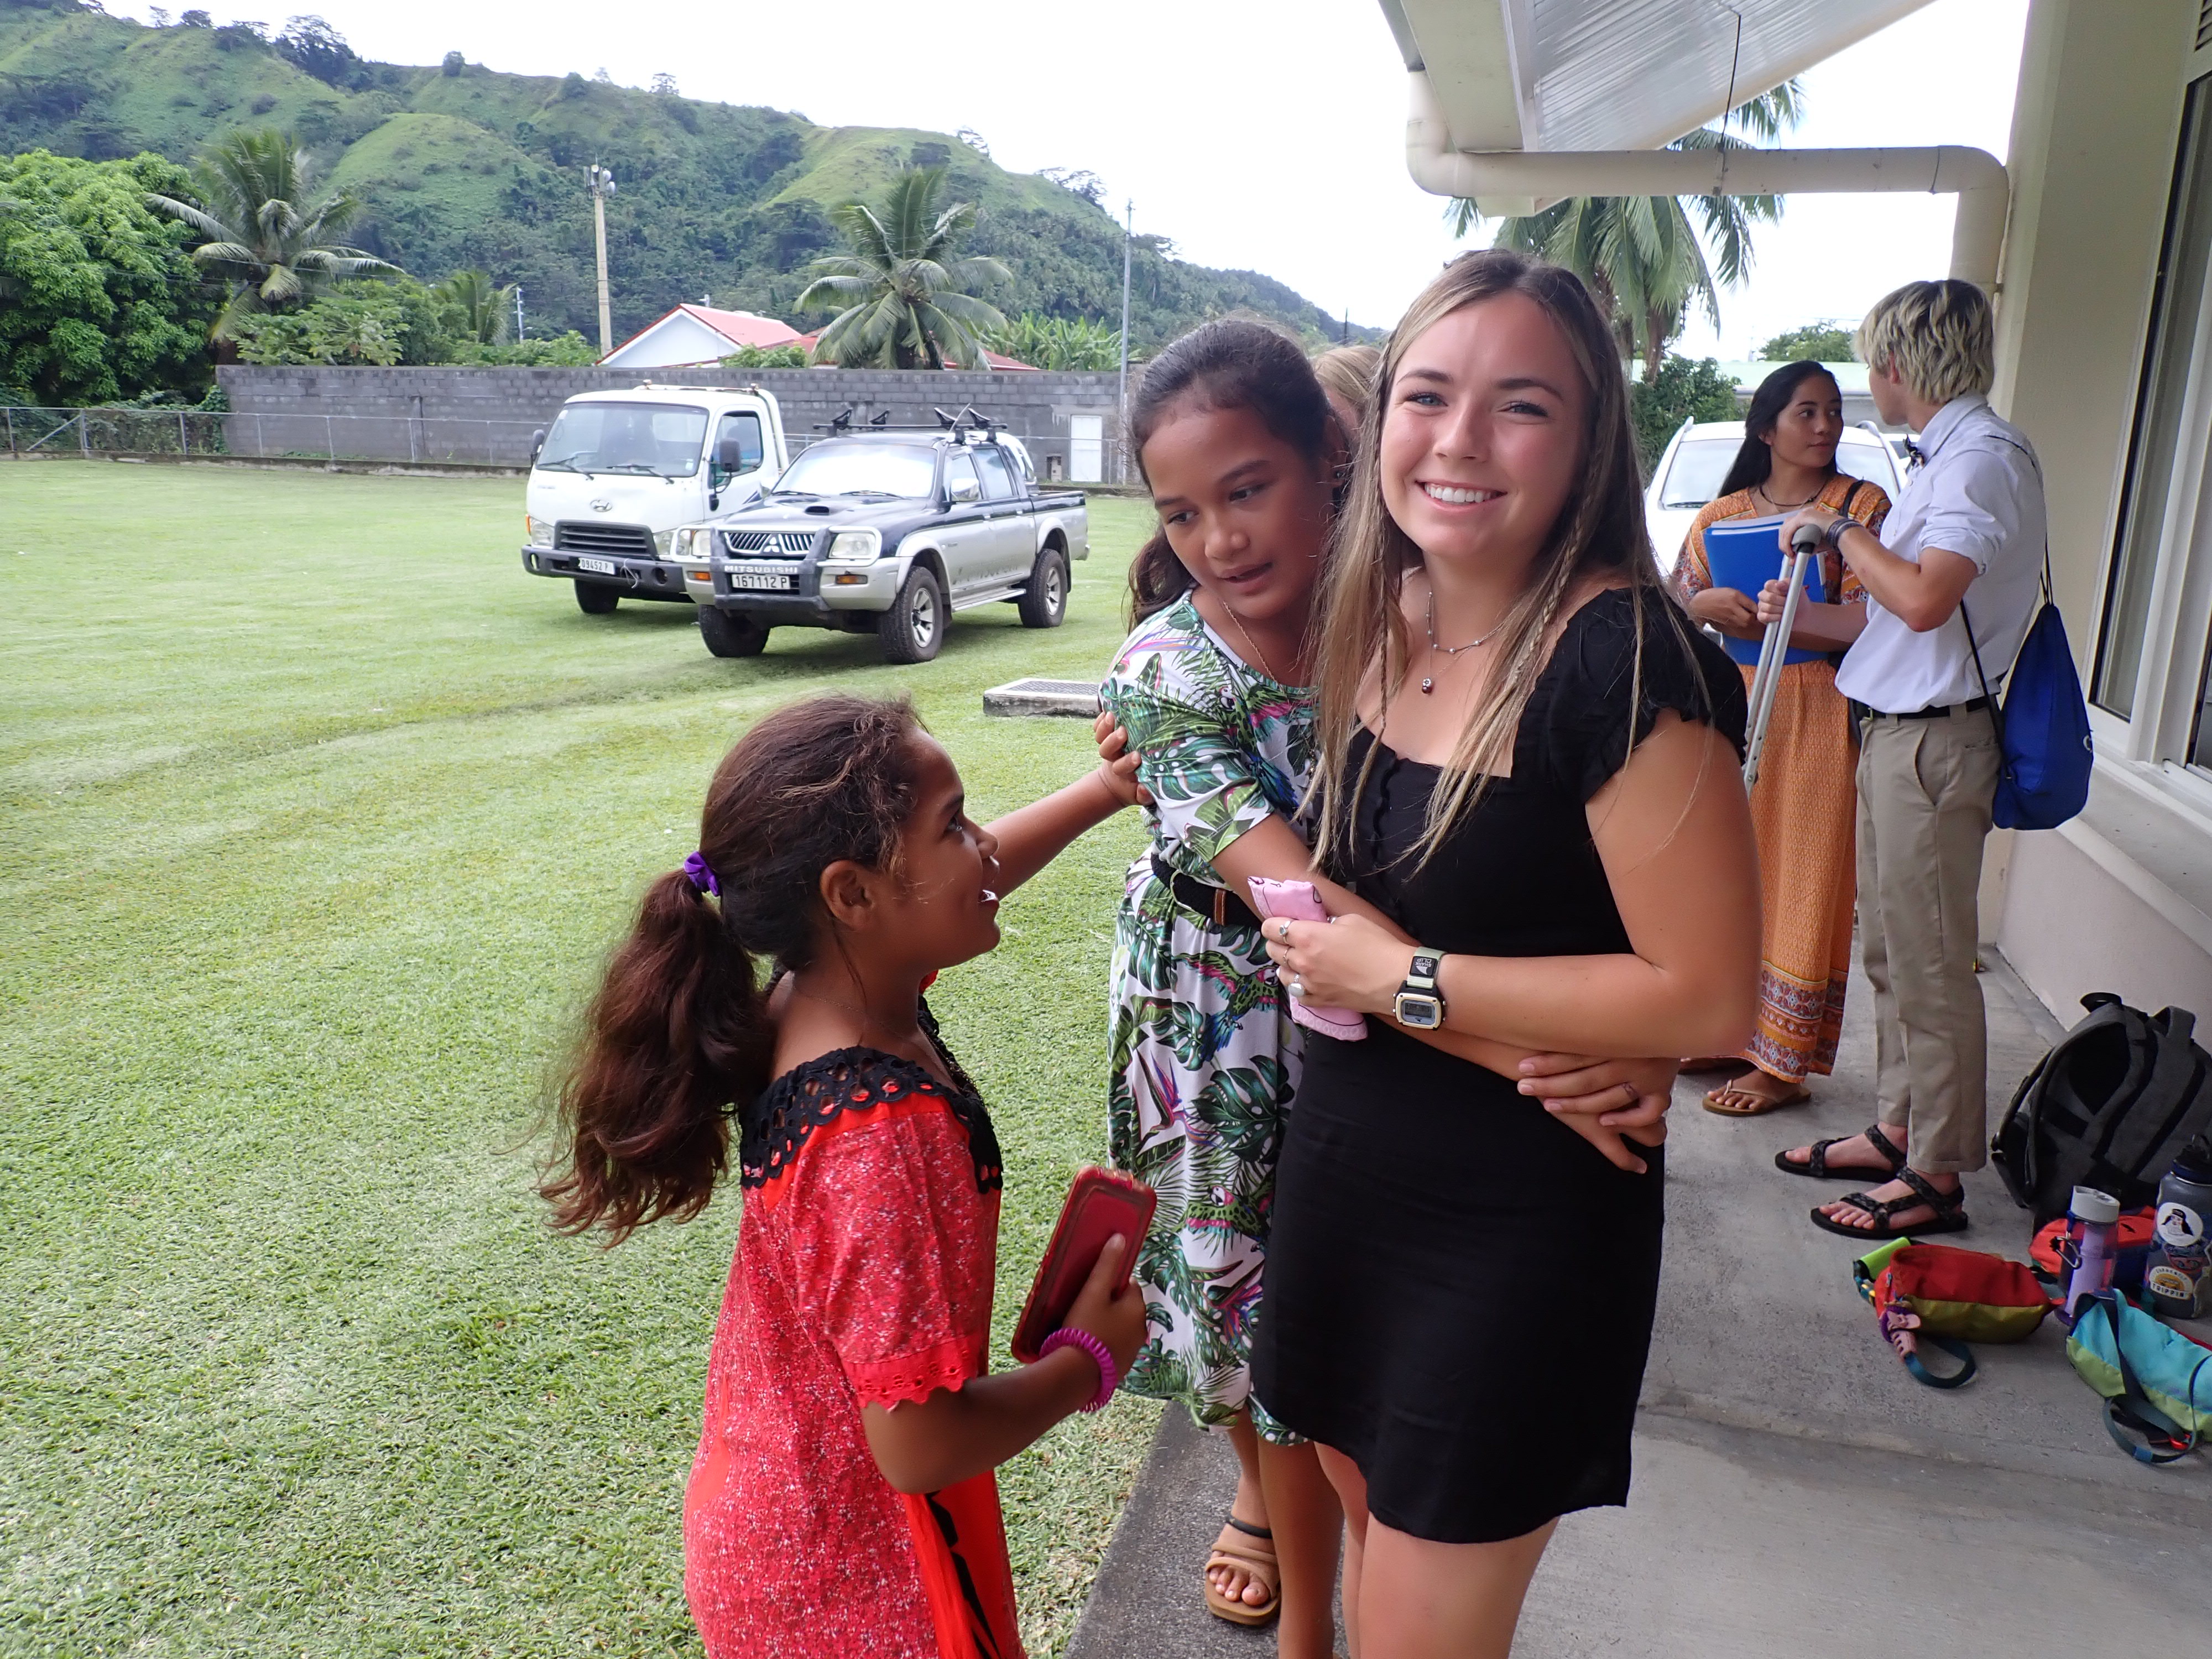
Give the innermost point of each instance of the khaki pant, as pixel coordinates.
(1925, 787)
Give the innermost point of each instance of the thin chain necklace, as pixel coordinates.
(1759, 491)
(1428, 682)
(1266, 667)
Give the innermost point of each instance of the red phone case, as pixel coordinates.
(1100, 1204)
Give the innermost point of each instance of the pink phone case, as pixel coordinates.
(1298, 901)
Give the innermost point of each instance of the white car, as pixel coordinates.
(1696, 462)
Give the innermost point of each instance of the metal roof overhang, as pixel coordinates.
(1517, 102)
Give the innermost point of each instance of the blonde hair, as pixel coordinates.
(1348, 372)
(1939, 339)
(1360, 624)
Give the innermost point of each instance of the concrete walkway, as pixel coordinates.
(1795, 1491)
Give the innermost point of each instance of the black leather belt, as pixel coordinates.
(1937, 713)
(1203, 899)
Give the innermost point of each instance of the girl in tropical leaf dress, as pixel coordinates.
(1212, 690)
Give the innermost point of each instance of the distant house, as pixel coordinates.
(692, 335)
(989, 356)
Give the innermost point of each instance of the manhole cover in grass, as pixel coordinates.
(1077, 699)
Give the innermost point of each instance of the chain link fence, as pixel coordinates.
(372, 438)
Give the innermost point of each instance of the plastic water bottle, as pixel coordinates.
(2090, 1221)
(2175, 1280)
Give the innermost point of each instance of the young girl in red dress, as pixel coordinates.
(843, 1500)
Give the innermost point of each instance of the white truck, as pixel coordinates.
(621, 472)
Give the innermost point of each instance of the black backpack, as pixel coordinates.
(2110, 1107)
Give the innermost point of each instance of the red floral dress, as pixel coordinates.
(863, 1274)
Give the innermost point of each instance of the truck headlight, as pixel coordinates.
(853, 547)
(539, 531)
(693, 545)
(663, 542)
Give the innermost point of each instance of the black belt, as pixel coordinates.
(1215, 904)
(1936, 714)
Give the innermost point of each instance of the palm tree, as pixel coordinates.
(902, 292)
(1640, 254)
(487, 312)
(266, 230)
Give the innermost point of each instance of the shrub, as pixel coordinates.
(1820, 343)
(1682, 391)
(782, 356)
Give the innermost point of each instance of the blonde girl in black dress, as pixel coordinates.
(1528, 762)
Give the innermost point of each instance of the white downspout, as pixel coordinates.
(1503, 182)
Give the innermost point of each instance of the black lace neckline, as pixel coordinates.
(772, 1128)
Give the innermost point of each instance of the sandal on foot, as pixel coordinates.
(1817, 1165)
(1251, 1551)
(1950, 1210)
(1755, 1104)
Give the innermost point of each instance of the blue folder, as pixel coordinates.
(1746, 554)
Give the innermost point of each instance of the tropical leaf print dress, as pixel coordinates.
(1205, 1056)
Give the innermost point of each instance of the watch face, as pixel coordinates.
(1422, 1014)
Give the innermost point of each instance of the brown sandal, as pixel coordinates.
(1251, 1551)
(1760, 1104)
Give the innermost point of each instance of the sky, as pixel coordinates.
(1266, 135)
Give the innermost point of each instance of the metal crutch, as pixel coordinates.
(1774, 649)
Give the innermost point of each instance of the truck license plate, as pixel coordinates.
(602, 567)
(774, 581)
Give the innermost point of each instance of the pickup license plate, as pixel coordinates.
(602, 566)
(772, 581)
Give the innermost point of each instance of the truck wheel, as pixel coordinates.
(731, 635)
(1045, 603)
(914, 628)
(597, 598)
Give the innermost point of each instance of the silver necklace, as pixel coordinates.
(1428, 682)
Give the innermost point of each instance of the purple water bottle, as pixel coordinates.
(2090, 1221)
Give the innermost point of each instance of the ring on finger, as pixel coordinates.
(1283, 931)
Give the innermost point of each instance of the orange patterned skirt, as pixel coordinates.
(1804, 809)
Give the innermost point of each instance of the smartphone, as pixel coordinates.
(1300, 901)
(1100, 1204)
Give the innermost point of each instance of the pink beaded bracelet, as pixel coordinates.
(1109, 1377)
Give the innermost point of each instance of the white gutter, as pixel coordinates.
(1516, 182)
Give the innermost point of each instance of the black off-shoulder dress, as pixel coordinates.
(1460, 1288)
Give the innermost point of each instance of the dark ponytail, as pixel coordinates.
(679, 1029)
(1230, 364)
(1755, 462)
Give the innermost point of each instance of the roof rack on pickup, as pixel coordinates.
(960, 423)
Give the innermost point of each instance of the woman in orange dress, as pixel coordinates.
(1803, 806)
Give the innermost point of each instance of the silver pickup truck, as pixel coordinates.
(887, 532)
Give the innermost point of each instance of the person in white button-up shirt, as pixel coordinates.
(1962, 549)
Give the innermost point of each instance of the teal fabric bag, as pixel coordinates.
(2155, 1381)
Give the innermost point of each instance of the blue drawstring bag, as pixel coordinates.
(2042, 725)
(2155, 1382)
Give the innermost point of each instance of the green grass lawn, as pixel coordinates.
(316, 817)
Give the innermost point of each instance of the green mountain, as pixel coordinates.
(462, 165)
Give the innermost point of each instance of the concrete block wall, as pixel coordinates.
(488, 414)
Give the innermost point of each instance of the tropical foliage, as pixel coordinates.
(98, 300)
(1679, 391)
(1819, 342)
(369, 322)
(485, 311)
(1643, 255)
(1044, 342)
(902, 296)
(782, 356)
(267, 228)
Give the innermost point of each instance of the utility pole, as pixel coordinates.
(603, 185)
(1122, 439)
(517, 312)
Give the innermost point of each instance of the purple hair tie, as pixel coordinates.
(702, 875)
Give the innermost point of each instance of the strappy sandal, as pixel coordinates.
(1950, 1210)
(1251, 1551)
(1817, 1165)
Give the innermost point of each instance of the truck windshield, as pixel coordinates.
(861, 469)
(663, 440)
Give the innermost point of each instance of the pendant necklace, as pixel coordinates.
(1428, 682)
(1759, 491)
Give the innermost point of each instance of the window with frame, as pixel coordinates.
(2185, 257)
